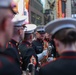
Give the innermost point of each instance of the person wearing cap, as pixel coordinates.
(38, 44)
(7, 63)
(18, 35)
(64, 35)
(28, 54)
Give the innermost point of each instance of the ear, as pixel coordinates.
(56, 42)
(19, 31)
(31, 36)
(36, 33)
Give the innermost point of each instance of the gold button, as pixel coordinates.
(9, 42)
(20, 67)
(18, 48)
(16, 44)
(21, 62)
(21, 58)
(19, 52)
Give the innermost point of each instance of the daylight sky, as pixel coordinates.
(43, 2)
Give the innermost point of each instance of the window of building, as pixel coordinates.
(73, 8)
(36, 19)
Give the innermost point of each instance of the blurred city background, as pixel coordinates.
(40, 12)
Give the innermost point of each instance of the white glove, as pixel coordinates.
(41, 55)
(44, 53)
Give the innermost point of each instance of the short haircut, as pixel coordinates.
(66, 36)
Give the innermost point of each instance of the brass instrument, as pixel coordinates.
(32, 71)
(49, 48)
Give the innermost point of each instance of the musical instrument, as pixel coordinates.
(31, 68)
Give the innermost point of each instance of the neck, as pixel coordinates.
(68, 48)
(16, 38)
(72, 47)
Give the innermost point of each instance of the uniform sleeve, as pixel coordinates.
(11, 52)
(13, 69)
(9, 67)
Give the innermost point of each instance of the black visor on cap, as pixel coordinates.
(41, 32)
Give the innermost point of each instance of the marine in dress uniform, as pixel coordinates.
(38, 43)
(7, 63)
(26, 47)
(64, 34)
(14, 43)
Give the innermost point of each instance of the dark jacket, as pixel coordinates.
(15, 53)
(38, 46)
(27, 52)
(8, 65)
(65, 65)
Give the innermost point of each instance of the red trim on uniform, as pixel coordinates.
(8, 45)
(9, 58)
(68, 57)
(69, 52)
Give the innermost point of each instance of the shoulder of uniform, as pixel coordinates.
(6, 59)
(35, 41)
(47, 63)
(22, 45)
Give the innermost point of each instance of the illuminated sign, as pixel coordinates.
(26, 10)
(59, 9)
(22, 8)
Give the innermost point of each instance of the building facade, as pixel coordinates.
(50, 10)
(36, 15)
(73, 8)
(68, 8)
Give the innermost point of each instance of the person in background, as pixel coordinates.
(64, 35)
(50, 47)
(38, 44)
(28, 53)
(7, 63)
(18, 35)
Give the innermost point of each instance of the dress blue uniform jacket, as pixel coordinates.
(64, 65)
(8, 65)
(38, 46)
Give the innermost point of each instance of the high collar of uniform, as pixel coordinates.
(40, 40)
(69, 53)
(14, 42)
(26, 42)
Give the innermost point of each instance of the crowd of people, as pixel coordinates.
(28, 49)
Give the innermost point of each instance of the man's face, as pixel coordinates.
(21, 33)
(40, 35)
